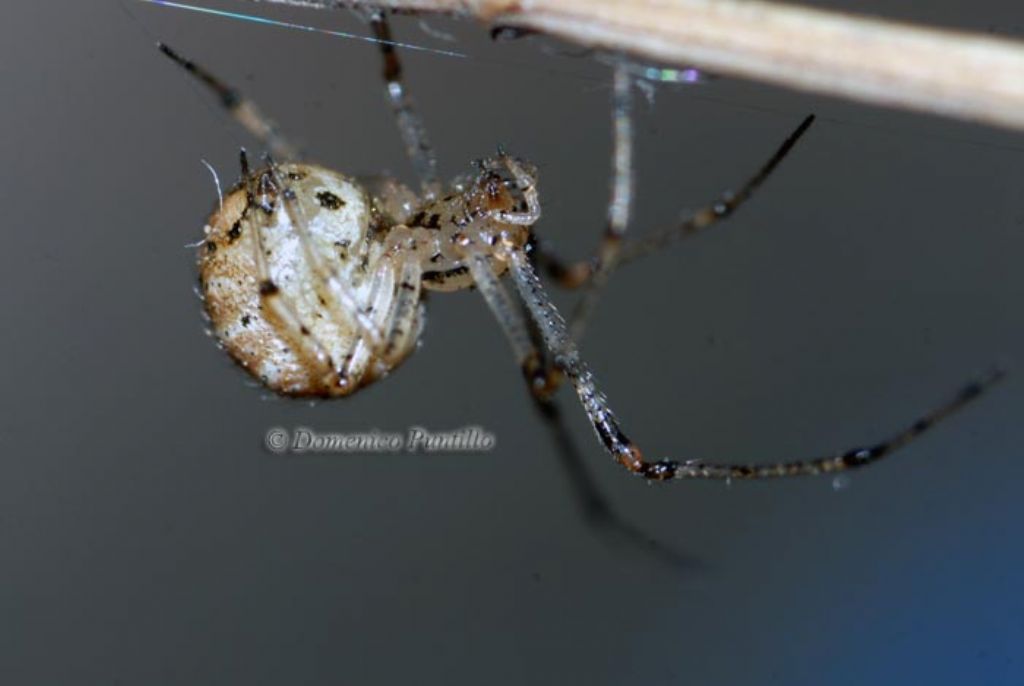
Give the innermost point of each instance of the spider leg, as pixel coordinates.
(400, 327)
(243, 110)
(394, 298)
(620, 205)
(397, 295)
(597, 267)
(722, 208)
(598, 511)
(578, 274)
(379, 304)
(615, 250)
(410, 125)
(542, 379)
(356, 361)
(556, 337)
(275, 303)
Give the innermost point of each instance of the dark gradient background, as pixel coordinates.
(146, 537)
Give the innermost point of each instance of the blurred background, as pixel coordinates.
(148, 537)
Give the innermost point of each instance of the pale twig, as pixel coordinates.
(950, 73)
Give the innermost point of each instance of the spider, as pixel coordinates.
(314, 282)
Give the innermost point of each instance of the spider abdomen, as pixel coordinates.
(294, 285)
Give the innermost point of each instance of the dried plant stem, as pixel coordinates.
(955, 74)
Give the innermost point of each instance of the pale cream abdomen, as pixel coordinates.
(298, 346)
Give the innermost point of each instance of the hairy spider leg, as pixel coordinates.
(620, 204)
(592, 274)
(725, 206)
(410, 124)
(394, 300)
(398, 327)
(566, 356)
(519, 331)
(506, 311)
(614, 250)
(575, 275)
(242, 109)
(542, 376)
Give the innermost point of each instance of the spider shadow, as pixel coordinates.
(598, 513)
